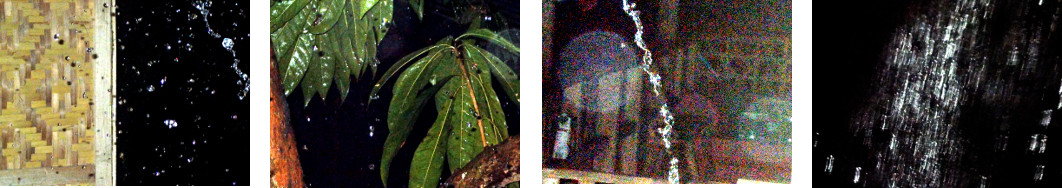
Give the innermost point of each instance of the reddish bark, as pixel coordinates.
(284, 168)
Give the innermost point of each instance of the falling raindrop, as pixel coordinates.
(829, 164)
(170, 123)
(227, 43)
(857, 171)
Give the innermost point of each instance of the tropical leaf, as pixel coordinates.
(339, 51)
(402, 63)
(465, 140)
(490, 110)
(328, 12)
(428, 158)
(473, 115)
(367, 4)
(331, 39)
(505, 75)
(492, 37)
(405, 107)
(298, 63)
(418, 7)
(282, 12)
(380, 16)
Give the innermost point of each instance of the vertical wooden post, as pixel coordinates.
(103, 117)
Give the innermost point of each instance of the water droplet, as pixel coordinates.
(857, 173)
(374, 96)
(151, 88)
(168, 46)
(156, 173)
(170, 123)
(227, 43)
(56, 37)
(307, 119)
(829, 164)
(1039, 175)
(372, 166)
(372, 130)
(162, 82)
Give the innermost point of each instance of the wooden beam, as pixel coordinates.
(103, 110)
(72, 175)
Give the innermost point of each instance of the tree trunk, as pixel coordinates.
(284, 168)
(496, 166)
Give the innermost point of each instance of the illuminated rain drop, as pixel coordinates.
(227, 43)
(170, 123)
(857, 171)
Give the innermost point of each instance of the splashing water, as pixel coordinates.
(654, 79)
(203, 6)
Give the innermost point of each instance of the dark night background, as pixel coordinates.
(170, 68)
(851, 43)
(340, 141)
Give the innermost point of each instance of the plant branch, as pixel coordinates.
(496, 166)
(475, 106)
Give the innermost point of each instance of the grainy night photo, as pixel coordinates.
(937, 93)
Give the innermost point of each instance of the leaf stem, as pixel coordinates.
(468, 81)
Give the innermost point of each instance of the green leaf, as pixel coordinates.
(355, 36)
(507, 77)
(350, 55)
(370, 53)
(348, 38)
(325, 65)
(284, 40)
(470, 131)
(300, 59)
(378, 17)
(405, 107)
(418, 7)
(489, 106)
(342, 74)
(428, 158)
(398, 66)
(329, 11)
(367, 4)
(488, 35)
(283, 11)
(465, 141)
